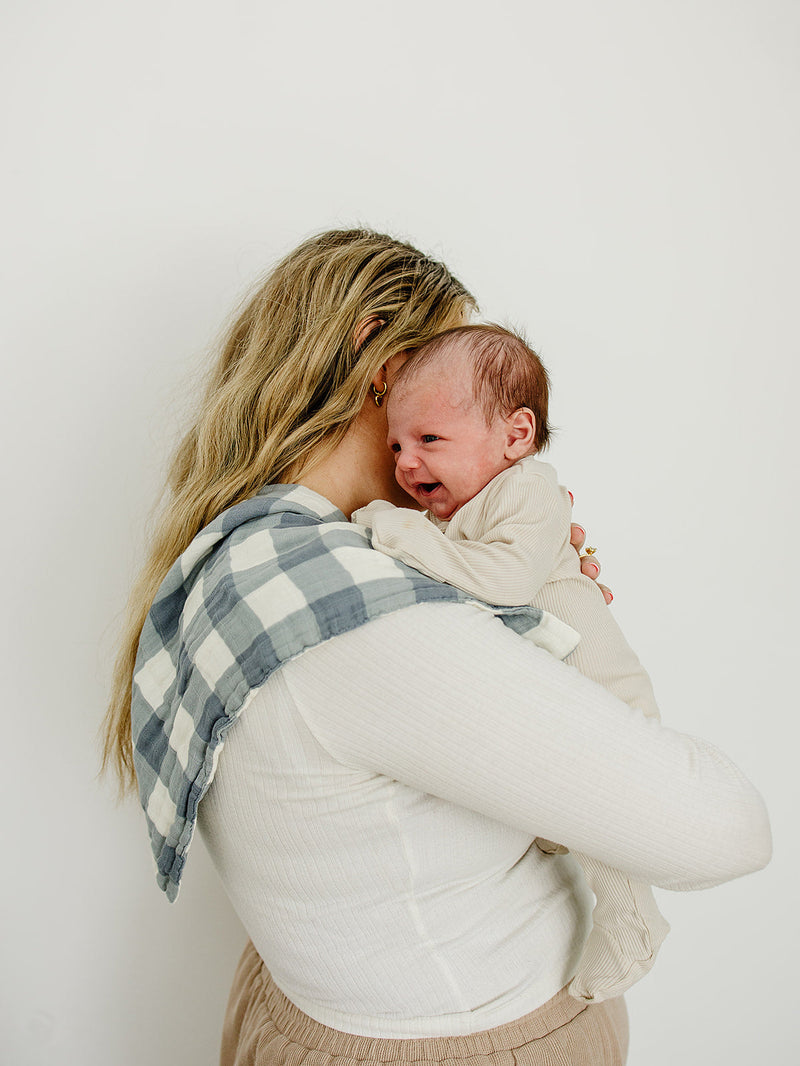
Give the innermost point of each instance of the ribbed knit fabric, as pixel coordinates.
(511, 544)
(263, 1028)
(373, 813)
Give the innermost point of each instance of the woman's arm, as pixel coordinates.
(445, 699)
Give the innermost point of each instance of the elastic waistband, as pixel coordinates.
(298, 1028)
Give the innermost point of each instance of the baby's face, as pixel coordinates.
(444, 451)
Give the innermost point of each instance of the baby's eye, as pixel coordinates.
(429, 438)
(395, 447)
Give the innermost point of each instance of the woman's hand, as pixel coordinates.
(589, 564)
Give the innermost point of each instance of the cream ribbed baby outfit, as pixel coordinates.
(510, 544)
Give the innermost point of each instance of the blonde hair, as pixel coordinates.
(289, 381)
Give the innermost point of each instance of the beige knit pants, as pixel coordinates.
(262, 1028)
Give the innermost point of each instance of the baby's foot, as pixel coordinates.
(621, 947)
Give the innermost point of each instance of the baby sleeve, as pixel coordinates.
(500, 547)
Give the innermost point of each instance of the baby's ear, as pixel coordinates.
(520, 433)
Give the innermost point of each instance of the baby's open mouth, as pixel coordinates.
(428, 486)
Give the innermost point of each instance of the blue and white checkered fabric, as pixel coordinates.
(268, 579)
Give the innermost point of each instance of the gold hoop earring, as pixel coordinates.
(379, 395)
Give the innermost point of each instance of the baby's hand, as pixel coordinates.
(589, 563)
(364, 515)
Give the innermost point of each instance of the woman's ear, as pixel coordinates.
(520, 434)
(385, 374)
(366, 329)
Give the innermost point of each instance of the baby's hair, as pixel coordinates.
(506, 373)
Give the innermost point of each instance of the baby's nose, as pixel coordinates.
(406, 460)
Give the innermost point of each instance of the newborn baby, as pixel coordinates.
(467, 414)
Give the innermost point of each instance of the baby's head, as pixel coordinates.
(465, 406)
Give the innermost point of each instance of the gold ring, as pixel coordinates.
(590, 551)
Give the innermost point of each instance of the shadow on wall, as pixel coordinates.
(175, 964)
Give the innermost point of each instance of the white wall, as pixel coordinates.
(618, 178)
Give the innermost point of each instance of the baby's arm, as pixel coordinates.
(497, 556)
(604, 655)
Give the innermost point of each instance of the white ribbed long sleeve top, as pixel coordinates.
(373, 813)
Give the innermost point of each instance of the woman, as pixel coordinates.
(373, 815)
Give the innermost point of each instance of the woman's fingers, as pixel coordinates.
(591, 568)
(589, 564)
(577, 536)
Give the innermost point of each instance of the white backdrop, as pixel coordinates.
(619, 179)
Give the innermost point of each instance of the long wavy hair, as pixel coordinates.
(289, 381)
